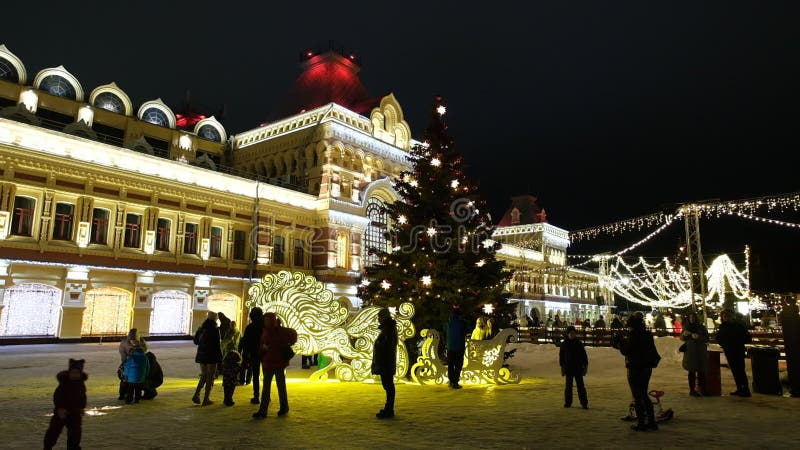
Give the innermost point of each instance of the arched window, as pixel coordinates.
(30, 310)
(58, 86)
(8, 71)
(374, 239)
(110, 102)
(108, 312)
(156, 117)
(171, 313)
(209, 133)
(227, 304)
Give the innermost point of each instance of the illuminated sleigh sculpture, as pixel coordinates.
(324, 326)
(483, 361)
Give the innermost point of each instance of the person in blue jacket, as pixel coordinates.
(136, 369)
(456, 342)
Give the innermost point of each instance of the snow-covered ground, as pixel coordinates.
(342, 415)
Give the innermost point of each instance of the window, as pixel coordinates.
(162, 234)
(239, 240)
(22, 222)
(216, 241)
(133, 224)
(190, 239)
(209, 133)
(110, 102)
(99, 226)
(278, 250)
(62, 222)
(299, 253)
(58, 86)
(374, 235)
(341, 250)
(155, 116)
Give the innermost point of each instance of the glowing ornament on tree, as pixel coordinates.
(435, 162)
(454, 184)
(402, 219)
(426, 280)
(431, 231)
(441, 110)
(480, 263)
(386, 285)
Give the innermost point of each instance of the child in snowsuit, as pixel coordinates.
(574, 362)
(231, 368)
(69, 399)
(136, 368)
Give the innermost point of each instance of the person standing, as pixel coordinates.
(384, 359)
(137, 367)
(250, 348)
(456, 343)
(209, 355)
(641, 357)
(125, 347)
(276, 342)
(732, 337)
(574, 363)
(695, 357)
(231, 339)
(69, 400)
(230, 375)
(790, 323)
(600, 323)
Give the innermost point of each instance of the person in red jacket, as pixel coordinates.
(276, 342)
(69, 399)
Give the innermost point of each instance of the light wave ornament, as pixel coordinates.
(324, 326)
(483, 361)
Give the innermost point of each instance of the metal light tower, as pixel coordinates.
(694, 254)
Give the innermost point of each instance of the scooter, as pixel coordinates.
(662, 415)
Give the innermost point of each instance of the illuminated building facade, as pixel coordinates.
(113, 216)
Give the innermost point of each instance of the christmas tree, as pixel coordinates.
(440, 235)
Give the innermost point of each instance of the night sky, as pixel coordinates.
(603, 110)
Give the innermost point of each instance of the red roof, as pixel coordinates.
(523, 211)
(327, 77)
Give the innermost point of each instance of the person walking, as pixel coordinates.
(732, 337)
(641, 357)
(695, 356)
(209, 355)
(69, 400)
(456, 343)
(384, 359)
(574, 363)
(250, 348)
(276, 351)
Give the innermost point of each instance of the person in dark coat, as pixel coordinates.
(695, 357)
(384, 359)
(250, 349)
(732, 336)
(125, 347)
(790, 323)
(136, 369)
(69, 400)
(155, 377)
(574, 363)
(641, 357)
(276, 341)
(456, 343)
(209, 354)
(230, 375)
